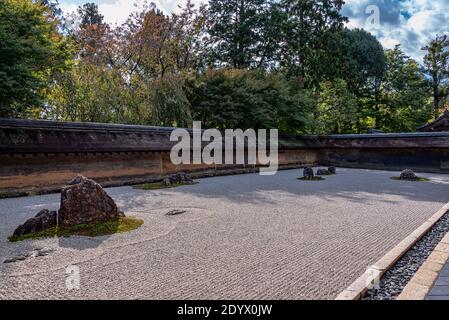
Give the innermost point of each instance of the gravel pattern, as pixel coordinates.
(241, 237)
(394, 281)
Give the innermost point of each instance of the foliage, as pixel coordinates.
(336, 108)
(362, 63)
(237, 98)
(419, 179)
(403, 103)
(170, 106)
(89, 15)
(316, 178)
(310, 39)
(241, 32)
(436, 67)
(31, 50)
(95, 94)
(243, 64)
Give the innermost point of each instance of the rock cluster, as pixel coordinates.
(83, 201)
(308, 174)
(408, 174)
(178, 178)
(323, 172)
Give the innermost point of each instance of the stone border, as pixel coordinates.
(358, 289)
(422, 282)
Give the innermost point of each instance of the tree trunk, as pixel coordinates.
(436, 102)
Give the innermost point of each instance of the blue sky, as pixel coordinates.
(408, 22)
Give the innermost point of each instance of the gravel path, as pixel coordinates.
(242, 237)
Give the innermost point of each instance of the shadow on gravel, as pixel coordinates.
(353, 185)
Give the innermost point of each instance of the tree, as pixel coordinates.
(89, 15)
(403, 103)
(336, 110)
(95, 39)
(241, 32)
(238, 98)
(436, 66)
(187, 42)
(53, 5)
(31, 50)
(170, 106)
(153, 44)
(309, 38)
(362, 62)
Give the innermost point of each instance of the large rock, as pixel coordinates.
(408, 174)
(84, 201)
(44, 220)
(308, 174)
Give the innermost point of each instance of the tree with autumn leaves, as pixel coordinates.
(232, 63)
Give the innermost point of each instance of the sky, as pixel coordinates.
(410, 23)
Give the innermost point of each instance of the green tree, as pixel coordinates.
(236, 98)
(336, 109)
(310, 38)
(31, 50)
(92, 93)
(403, 103)
(170, 105)
(242, 33)
(436, 66)
(89, 15)
(361, 63)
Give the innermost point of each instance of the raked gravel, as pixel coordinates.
(241, 237)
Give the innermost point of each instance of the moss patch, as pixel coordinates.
(88, 230)
(314, 179)
(416, 180)
(160, 185)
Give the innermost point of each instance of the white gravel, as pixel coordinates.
(242, 237)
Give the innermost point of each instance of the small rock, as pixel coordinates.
(166, 182)
(32, 254)
(44, 252)
(19, 257)
(175, 212)
(308, 173)
(323, 172)
(332, 170)
(44, 220)
(178, 178)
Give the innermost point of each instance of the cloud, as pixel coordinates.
(411, 23)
